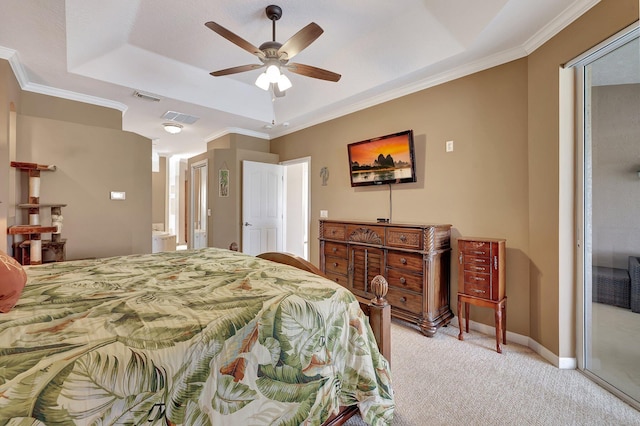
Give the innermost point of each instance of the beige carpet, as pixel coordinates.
(443, 381)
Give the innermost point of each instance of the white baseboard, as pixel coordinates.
(561, 363)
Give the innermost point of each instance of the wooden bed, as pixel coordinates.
(378, 310)
(195, 337)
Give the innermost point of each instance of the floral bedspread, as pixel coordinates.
(198, 337)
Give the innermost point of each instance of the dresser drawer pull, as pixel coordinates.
(478, 278)
(402, 280)
(403, 238)
(403, 300)
(477, 252)
(335, 264)
(495, 262)
(403, 260)
(478, 268)
(475, 290)
(337, 280)
(335, 250)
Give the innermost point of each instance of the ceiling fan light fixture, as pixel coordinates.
(283, 83)
(273, 72)
(172, 128)
(263, 81)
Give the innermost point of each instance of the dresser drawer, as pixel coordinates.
(475, 248)
(336, 265)
(334, 231)
(404, 280)
(340, 279)
(335, 249)
(405, 300)
(410, 261)
(404, 238)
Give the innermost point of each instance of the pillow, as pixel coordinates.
(12, 281)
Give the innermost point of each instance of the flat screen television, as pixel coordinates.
(383, 160)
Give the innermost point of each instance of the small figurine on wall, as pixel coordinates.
(324, 174)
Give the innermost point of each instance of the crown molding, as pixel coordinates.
(413, 87)
(74, 96)
(26, 85)
(559, 23)
(237, 131)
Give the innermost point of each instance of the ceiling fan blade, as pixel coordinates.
(300, 40)
(235, 39)
(235, 70)
(314, 72)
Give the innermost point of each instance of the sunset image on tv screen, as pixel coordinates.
(368, 153)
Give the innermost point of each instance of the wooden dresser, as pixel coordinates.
(415, 260)
(481, 281)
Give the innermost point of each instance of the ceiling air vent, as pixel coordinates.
(146, 96)
(180, 117)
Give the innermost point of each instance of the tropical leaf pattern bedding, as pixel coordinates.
(198, 337)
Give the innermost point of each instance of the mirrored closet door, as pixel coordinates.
(609, 207)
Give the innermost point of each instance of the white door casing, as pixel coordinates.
(198, 212)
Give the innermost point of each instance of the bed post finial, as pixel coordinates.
(379, 286)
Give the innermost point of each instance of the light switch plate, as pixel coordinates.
(118, 195)
(324, 213)
(449, 146)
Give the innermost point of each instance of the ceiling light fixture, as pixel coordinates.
(172, 128)
(273, 75)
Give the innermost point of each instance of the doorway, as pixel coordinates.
(608, 191)
(297, 206)
(276, 207)
(198, 212)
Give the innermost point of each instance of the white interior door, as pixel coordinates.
(262, 201)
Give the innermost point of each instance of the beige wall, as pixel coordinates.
(93, 157)
(479, 188)
(501, 180)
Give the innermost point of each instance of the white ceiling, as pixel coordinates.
(102, 51)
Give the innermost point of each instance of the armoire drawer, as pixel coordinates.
(334, 231)
(404, 238)
(337, 278)
(410, 261)
(335, 250)
(405, 280)
(336, 264)
(405, 300)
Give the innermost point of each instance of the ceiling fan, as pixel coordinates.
(276, 56)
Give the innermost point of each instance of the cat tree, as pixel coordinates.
(28, 251)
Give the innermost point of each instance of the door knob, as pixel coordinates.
(247, 224)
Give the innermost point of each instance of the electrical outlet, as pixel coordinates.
(324, 213)
(449, 146)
